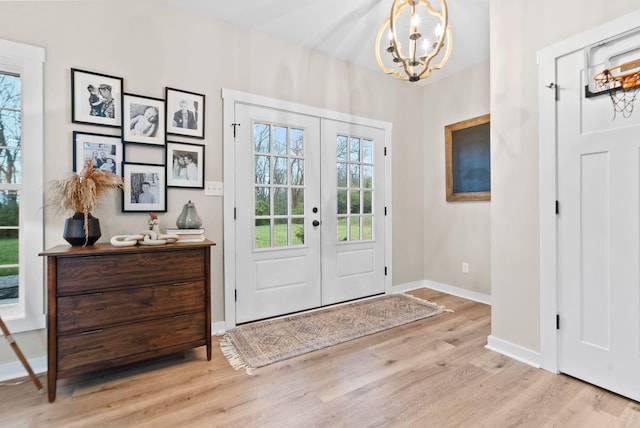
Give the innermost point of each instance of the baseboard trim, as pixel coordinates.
(218, 328)
(514, 351)
(16, 370)
(444, 288)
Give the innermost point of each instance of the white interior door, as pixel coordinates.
(278, 187)
(309, 213)
(598, 235)
(353, 211)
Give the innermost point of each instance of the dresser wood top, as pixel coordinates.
(106, 248)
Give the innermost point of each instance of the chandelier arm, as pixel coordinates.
(446, 33)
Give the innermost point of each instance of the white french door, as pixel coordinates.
(278, 190)
(353, 204)
(309, 212)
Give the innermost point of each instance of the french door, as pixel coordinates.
(309, 212)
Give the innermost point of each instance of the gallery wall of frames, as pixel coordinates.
(150, 153)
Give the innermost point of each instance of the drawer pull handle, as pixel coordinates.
(98, 330)
(181, 316)
(178, 284)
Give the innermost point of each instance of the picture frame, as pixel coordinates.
(106, 150)
(143, 119)
(185, 165)
(185, 113)
(96, 98)
(468, 160)
(140, 179)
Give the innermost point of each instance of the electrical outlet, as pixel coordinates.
(213, 188)
(465, 267)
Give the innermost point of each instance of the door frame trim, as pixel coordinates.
(232, 97)
(548, 174)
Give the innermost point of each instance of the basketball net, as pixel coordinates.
(622, 88)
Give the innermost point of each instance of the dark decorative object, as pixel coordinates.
(468, 163)
(189, 218)
(74, 230)
(79, 193)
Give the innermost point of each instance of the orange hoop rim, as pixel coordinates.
(628, 79)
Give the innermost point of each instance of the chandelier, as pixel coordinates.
(427, 32)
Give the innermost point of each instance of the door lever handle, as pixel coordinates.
(316, 223)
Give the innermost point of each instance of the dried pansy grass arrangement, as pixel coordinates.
(80, 194)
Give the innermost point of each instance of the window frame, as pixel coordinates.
(28, 62)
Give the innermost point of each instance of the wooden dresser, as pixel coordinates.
(109, 306)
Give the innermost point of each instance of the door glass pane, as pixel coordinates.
(354, 228)
(297, 231)
(297, 172)
(279, 185)
(342, 201)
(354, 202)
(366, 202)
(367, 228)
(341, 149)
(279, 140)
(354, 165)
(297, 142)
(261, 137)
(297, 202)
(354, 172)
(263, 170)
(366, 151)
(367, 177)
(280, 171)
(354, 150)
(281, 232)
(342, 229)
(263, 233)
(263, 201)
(280, 201)
(342, 174)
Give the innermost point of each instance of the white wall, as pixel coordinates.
(520, 28)
(454, 231)
(153, 45)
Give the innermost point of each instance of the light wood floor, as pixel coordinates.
(430, 373)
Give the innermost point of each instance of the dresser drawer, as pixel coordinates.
(110, 343)
(85, 273)
(86, 311)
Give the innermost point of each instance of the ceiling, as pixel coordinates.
(346, 29)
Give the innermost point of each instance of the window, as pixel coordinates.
(279, 185)
(354, 164)
(21, 184)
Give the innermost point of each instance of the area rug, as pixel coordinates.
(258, 344)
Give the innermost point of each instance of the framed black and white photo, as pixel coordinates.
(144, 188)
(105, 150)
(185, 165)
(143, 120)
(96, 99)
(185, 113)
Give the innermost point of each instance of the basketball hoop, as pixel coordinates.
(622, 83)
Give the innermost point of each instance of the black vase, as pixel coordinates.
(74, 230)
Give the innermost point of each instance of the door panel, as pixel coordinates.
(353, 211)
(598, 236)
(278, 249)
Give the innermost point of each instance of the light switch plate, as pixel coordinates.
(213, 188)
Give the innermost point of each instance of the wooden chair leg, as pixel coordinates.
(18, 352)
